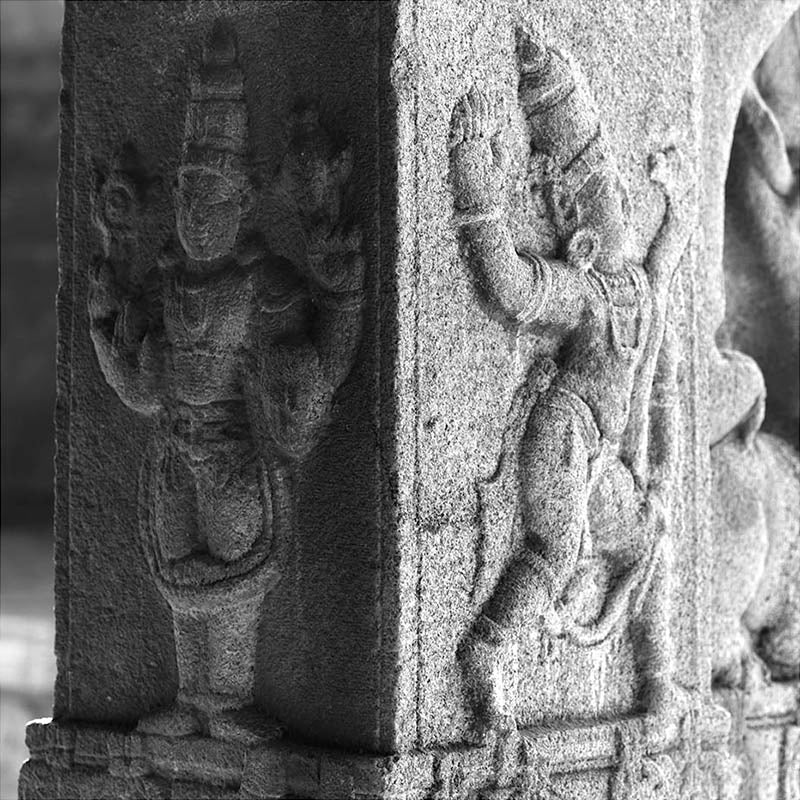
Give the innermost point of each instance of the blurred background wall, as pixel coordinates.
(29, 34)
(29, 87)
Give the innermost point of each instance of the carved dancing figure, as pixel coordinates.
(235, 353)
(609, 315)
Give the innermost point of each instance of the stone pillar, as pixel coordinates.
(386, 336)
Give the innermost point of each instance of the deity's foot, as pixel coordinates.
(243, 725)
(179, 719)
(482, 669)
(667, 704)
(219, 716)
(745, 671)
(664, 697)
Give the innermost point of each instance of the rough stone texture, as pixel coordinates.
(755, 499)
(580, 761)
(764, 736)
(393, 462)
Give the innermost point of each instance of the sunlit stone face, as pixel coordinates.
(208, 213)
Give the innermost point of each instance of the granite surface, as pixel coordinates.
(401, 452)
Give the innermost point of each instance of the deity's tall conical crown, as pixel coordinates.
(215, 136)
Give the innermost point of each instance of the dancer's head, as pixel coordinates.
(599, 239)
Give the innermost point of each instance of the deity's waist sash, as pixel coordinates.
(203, 430)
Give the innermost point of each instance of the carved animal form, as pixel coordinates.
(235, 354)
(610, 313)
(762, 231)
(756, 489)
(756, 586)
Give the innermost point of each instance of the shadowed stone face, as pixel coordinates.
(208, 212)
(240, 371)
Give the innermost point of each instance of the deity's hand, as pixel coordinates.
(121, 316)
(668, 170)
(477, 155)
(338, 266)
(664, 168)
(104, 303)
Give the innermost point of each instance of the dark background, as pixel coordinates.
(29, 87)
(28, 257)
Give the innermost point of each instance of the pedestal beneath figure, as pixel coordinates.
(581, 761)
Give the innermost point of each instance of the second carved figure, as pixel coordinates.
(606, 423)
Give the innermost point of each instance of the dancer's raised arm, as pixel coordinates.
(526, 288)
(672, 238)
(661, 266)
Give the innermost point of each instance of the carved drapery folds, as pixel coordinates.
(235, 354)
(588, 453)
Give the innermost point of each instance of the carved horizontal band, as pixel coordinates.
(462, 218)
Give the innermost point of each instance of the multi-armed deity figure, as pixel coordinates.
(609, 412)
(236, 354)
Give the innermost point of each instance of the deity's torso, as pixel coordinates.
(206, 320)
(600, 358)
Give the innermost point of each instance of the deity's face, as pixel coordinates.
(208, 210)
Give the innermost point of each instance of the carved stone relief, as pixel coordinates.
(762, 231)
(688, 771)
(590, 449)
(486, 509)
(235, 354)
(640, 776)
(756, 496)
(756, 473)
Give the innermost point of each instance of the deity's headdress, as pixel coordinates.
(555, 100)
(215, 136)
(564, 125)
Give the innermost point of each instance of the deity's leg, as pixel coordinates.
(230, 510)
(554, 474)
(175, 504)
(231, 653)
(215, 651)
(655, 652)
(182, 718)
